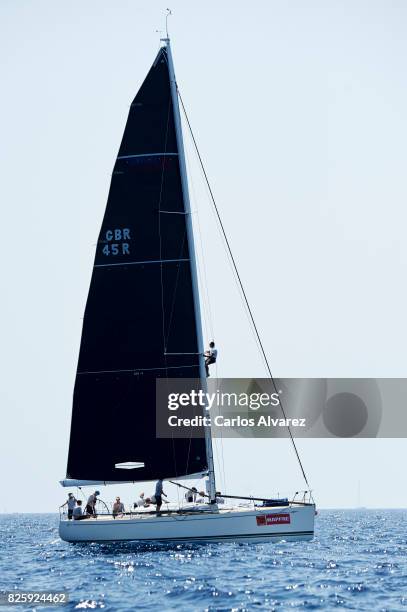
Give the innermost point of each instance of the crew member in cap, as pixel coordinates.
(91, 503)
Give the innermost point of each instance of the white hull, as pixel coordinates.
(234, 524)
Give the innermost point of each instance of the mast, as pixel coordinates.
(190, 234)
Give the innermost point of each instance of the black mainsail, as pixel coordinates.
(140, 320)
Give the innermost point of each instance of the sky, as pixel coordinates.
(300, 112)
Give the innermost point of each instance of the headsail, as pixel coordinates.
(139, 321)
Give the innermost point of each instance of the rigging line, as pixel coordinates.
(181, 251)
(212, 334)
(204, 281)
(161, 264)
(206, 321)
(234, 275)
(235, 278)
(192, 197)
(216, 456)
(177, 278)
(241, 283)
(221, 444)
(200, 260)
(207, 305)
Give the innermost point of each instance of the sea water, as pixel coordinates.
(357, 561)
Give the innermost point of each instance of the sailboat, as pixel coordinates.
(142, 322)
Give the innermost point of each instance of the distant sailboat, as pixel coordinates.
(142, 321)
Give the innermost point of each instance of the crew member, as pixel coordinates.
(210, 356)
(118, 507)
(190, 495)
(142, 502)
(219, 498)
(77, 513)
(158, 495)
(91, 503)
(70, 502)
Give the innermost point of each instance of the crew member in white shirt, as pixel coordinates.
(118, 507)
(219, 498)
(70, 502)
(142, 502)
(210, 356)
(77, 512)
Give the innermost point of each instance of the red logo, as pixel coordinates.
(272, 519)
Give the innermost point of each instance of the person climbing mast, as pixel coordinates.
(210, 356)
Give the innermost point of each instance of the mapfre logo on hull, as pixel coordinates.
(272, 519)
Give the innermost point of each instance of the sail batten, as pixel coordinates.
(135, 263)
(146, 155)
(139, 322)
